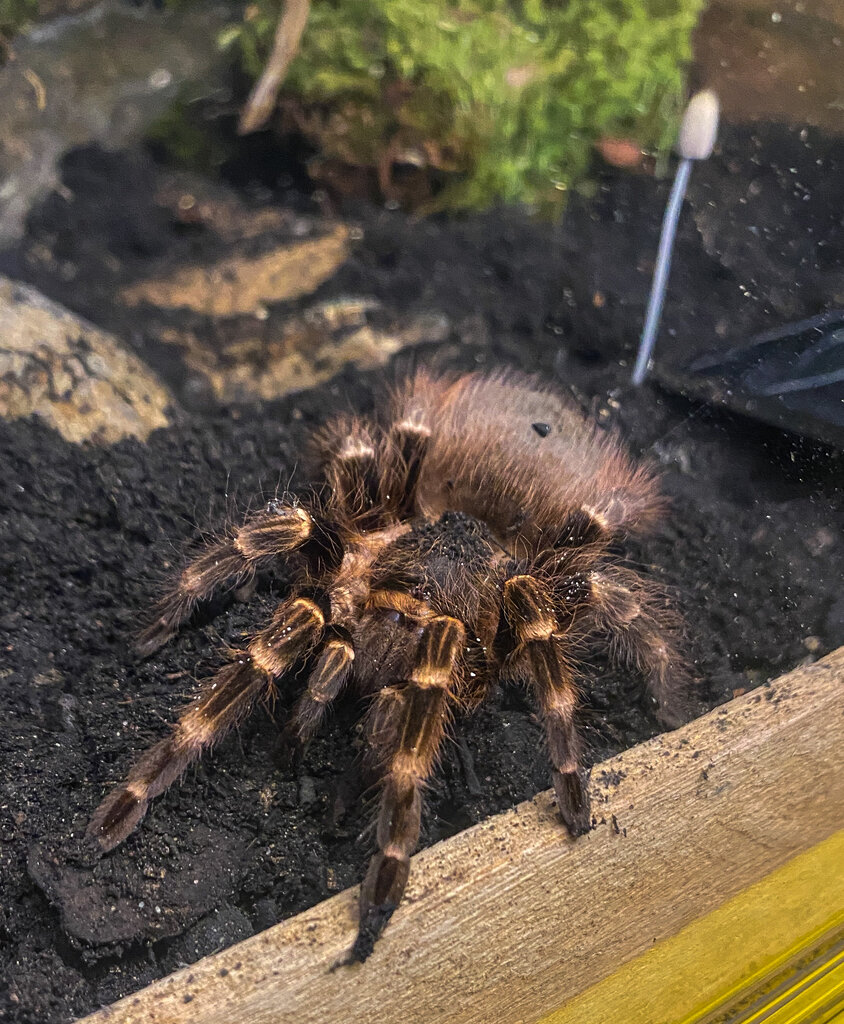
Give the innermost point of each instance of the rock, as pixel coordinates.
(116, 901)
(266, 360)
(75, 376)
(245, 284)
(102, 75)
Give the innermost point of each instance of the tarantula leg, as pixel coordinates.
(405, 728)
(349, 454)
(539, 662)
(231, 563)
(642, 636)
(325, 682)
(409, 437)
(224, 700)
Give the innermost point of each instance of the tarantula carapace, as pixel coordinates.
(467, 539)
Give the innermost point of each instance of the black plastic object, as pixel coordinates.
(791, 377)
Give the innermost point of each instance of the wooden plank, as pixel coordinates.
(509, 920)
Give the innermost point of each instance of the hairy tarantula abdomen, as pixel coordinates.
(466, 539)
(526, 461)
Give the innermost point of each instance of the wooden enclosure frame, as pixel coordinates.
(712, 861)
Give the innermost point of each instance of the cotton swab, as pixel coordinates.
(696, 142)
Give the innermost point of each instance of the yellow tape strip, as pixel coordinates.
(814, 997)
(780, 936)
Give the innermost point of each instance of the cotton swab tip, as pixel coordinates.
(700, 126)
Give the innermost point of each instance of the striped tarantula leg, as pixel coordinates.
(539, 662)
(230, 564)
(349, 455)
(642, 630)
(405, 729)
(409, 438)
(223, 701)
(327, 679)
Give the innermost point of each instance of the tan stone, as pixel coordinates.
(97, 76)
(242, 284)
(269, 361)
(76, 377)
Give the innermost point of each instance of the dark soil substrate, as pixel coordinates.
(752, 549)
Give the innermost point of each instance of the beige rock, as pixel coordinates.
(101, 75)
(75, 376)
(242, 284)
(266, 361)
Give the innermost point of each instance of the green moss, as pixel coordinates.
(504, 97)
(181, 137)
(14, 14)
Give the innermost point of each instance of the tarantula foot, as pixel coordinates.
(169, 614)
(380, 894)
(115, 818)
(152, 638)
(573, 801)
(672, 714)
(373, 921)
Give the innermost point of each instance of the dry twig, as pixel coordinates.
(288, 35)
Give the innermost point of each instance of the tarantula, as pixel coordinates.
(468, 539)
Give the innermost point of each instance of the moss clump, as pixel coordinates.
(185, 141)
(504, 97)
(14, 14)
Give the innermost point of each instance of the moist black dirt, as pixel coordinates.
(752, 550)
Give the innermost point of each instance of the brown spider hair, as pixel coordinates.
(467, 538)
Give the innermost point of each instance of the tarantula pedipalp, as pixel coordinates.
(466, 540)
